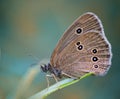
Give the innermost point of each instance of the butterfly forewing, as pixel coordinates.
(86, 22)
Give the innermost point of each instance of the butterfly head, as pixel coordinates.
(52, 70)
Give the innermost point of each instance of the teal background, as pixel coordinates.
(35, 26)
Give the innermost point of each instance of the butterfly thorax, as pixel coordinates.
(48, 68)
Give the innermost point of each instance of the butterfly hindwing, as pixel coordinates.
(94, 56)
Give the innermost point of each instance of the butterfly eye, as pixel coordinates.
(95, 66)
(79, 30)
(78, 43)
(80, 47)
(94, 59)
(94, 51)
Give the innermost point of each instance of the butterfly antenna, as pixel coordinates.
(34, 57)
(31, 54)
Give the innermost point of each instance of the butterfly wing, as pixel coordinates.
(73, 54)
(86, 22)
(92, 54)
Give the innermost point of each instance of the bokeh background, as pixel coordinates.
(34, 27)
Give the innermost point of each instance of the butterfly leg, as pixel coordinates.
(48, 83)
(54, 78)
(66, 75)
(51, 76)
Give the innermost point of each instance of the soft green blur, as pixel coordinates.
(29, 31)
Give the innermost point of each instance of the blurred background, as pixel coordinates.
(34, 27)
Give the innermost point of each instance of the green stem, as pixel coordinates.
(59, 85)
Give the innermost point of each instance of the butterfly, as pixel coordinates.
(82, 49)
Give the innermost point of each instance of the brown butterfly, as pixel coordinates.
(82, 49)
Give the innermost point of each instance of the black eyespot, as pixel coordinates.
(94, 59)
(79, 30)
(95, 66)
(80, 47)
(94, 51)
(78, 43)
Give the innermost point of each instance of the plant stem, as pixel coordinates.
(59, 85)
